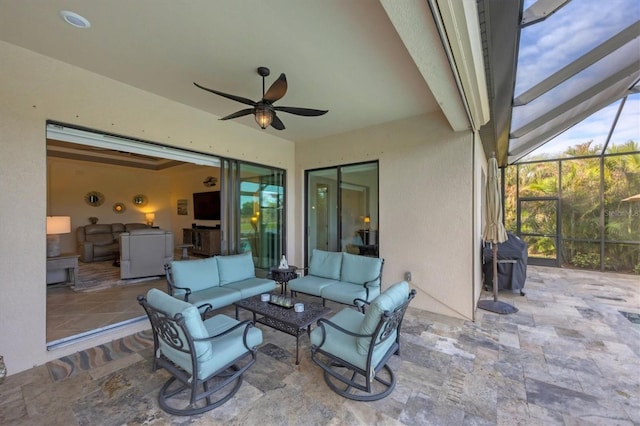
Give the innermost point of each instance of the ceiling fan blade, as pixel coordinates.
(277, 89)
(307, 112)
(237, 114)
(276, 123)
(228, 96)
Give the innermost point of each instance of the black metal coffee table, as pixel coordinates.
(286, 320)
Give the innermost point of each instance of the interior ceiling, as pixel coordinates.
(344, 56)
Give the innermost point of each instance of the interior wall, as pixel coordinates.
(184, 181)
(426, 204)
(70, 180)
(34, 89)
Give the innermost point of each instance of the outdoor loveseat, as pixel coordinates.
(341, 277)
(217, 281)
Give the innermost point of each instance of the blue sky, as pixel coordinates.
(553, 43)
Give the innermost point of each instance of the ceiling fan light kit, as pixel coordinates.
(264, 116)
(263, 110)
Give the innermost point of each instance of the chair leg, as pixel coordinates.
(171, 401)
(350, 388)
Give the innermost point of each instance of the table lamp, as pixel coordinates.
(150, 217)
(56, 225)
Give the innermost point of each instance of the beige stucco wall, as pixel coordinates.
(427, 191)
(426, 203)
(34, 88)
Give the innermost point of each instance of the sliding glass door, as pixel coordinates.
(342, 209)
(257, 194)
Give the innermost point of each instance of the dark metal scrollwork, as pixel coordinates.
(167, 330)
(393, 323)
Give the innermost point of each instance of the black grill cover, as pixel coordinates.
(511, 275)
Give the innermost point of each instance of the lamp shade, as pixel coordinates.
(150, 217)
(58, 225)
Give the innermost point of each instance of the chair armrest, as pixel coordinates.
(247, 324)
(323, 321)
(85, 249)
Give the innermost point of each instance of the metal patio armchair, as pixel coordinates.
(353, 348)
(205, 357)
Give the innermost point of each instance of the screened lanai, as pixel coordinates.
(569, 140)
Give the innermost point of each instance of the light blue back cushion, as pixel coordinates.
(172, 306)
(195, 274)
(390, 299)
(235, 268)
(325, 264)
(360, 269)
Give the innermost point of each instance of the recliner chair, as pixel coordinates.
(144, 252)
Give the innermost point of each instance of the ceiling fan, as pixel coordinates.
(264, 110)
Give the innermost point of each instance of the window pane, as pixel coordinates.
(359, 209)
(261, 214)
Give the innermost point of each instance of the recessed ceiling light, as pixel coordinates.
(74, 19)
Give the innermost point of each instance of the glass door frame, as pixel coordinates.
(336, 240)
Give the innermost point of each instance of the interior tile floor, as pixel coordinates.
(569, 356)
(70, 312)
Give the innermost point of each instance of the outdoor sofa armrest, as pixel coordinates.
(207, 308)
(171, 286)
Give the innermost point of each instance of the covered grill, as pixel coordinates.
(512, 264)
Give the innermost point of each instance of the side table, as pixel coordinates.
(65, 262)
(185, 250)
(283, 276)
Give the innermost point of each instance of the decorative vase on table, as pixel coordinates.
(283, 263)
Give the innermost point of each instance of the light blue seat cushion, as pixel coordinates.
(345, 292)
(195, 274)
(218, 297)
(390, 299)
(360, 269)
(234, 268)
(252, 286)
(343, 345)
(325, 264)
(172, 306)
(226, 349)
(310, 284)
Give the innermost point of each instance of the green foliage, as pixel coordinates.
(589, 190)
(636, 269)
(586, 260)
(591, 261)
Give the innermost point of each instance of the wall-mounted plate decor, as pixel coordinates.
(94, 198)
(140, 200)
(119, 207)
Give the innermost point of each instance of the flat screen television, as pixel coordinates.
(206, 205)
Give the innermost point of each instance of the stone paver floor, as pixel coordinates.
(570, 356)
